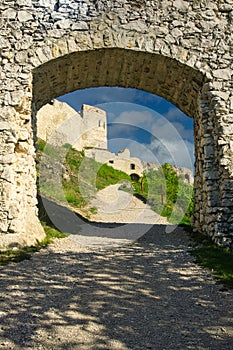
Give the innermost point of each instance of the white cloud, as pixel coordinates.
(171, 133)
(170, 142)
(176, 152)
(117, 130)
(136, 118)
(173, 143)
(174, 114)
(186, 134)
(140, 150)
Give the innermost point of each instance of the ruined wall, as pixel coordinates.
(58, 124)
(180, 50)
(93, 128)
(121, 161)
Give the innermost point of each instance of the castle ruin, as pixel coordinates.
(58, 124)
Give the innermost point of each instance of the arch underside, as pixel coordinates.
(160, 75)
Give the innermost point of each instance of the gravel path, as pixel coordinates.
(114, 205)
(146, 295)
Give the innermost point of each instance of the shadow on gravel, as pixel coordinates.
(70, 222)
(148, 295)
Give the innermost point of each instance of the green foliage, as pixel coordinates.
(41, 145)
(126, 186)
(72, 194)
(171, 180)
(93, 210)
(167, 194)
(51, 234)
(53, 151)
(73, 160)
(218, 259)
(67, 146)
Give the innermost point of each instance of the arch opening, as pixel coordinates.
(158, 75)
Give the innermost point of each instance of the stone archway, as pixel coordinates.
(168, 78)
(135, 177)
(111, 45)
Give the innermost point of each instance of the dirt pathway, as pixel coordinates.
(114, 205)
(147, 295)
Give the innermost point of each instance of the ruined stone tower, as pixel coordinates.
(58, 123)
(93, 128)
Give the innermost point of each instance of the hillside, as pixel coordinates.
(67, 176)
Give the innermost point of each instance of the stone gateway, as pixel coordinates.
(179, 50)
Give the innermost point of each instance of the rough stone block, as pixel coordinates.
(24, 16)
(224, 74)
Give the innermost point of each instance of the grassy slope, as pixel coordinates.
(84, 177)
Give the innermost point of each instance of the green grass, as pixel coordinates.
(86, 176)
(107, 176)
(53, 152)
(51, 234)
(51, 189)
(25, 253)
(93, 210)
(218, 259)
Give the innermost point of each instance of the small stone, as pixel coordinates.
(4, 43)
(181, 5)
(226, 8)
(4, 126)
(24, 16)
(47, 3)
(224, 74)
(64, 24)
(80, 26)
(176, 33)
(9, 13)
(231, 103)
(27, 3)
(21, 57)
(16, 97)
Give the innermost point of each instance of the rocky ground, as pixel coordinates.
(148, 294)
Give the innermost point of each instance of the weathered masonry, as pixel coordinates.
(180, 50)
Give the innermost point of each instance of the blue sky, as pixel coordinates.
(151, 127)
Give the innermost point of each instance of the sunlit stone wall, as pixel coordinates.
(180, 50)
